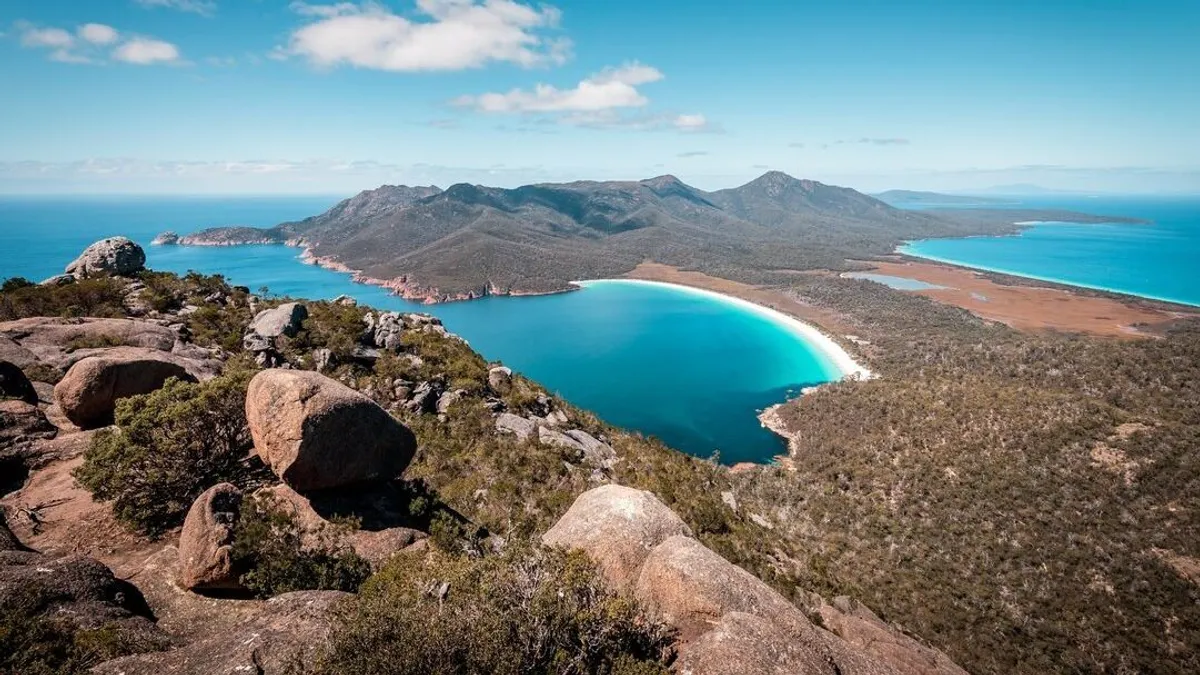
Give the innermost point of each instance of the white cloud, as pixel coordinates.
(201, 7)
(339, 9)
(612, 88)
(98, 33)
(146, 51)
(90, 42)
(691, 123)
(46, 37)
(602, 101)
(454, 35)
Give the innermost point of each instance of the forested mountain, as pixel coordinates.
(472, 240)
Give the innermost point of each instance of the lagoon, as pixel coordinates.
(686, 366)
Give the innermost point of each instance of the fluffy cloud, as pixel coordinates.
(201, 7)
(98, 33)
(146, 51)
(610, 89)
(452, 35)
(46, 37)
(602, 101)
(90, 41)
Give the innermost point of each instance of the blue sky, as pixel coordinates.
(191, 96)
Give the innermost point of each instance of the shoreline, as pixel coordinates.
(905, 250)
(841, 360)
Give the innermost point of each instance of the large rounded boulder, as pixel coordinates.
(316, 433)
(618, 527)
(89, 392)
(206, 542)
(115, 256)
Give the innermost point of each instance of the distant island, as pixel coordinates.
(918, 198)
(471, 241)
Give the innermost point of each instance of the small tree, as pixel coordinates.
(169, 446)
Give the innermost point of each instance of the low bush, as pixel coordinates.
(90, 297)
(280, 557)
(530, 610)
(37, 645)
(168, 447)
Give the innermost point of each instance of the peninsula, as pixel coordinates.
(471, 241)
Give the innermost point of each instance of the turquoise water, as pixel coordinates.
(1155, 260)
(688, 369)
(898, 283)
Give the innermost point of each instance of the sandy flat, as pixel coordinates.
(1032, 308)
(1026, 308)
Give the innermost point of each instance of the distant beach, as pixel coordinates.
(836, 355)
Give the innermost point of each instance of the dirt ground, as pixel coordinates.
(1026, 308)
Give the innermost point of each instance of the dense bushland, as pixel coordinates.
(1022, 501)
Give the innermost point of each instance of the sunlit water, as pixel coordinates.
(1154, 260)
(688, 369)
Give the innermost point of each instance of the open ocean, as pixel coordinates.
(685, 368)
(1156, 260)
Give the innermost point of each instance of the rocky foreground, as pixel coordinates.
(212, 482)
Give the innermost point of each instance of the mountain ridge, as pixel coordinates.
(469, 241)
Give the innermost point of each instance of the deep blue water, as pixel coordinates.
(688, 369)
(1156, 260)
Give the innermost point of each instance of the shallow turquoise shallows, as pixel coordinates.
(1155, 260)
(688, 369)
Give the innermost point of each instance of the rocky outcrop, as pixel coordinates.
(316, 433)
(115, 256)
(855, 623)
(285, 319)
(206, 542)
(728, 622)
(77, 591)
(290, 629)
(8, 540)
(167, 238)
(88, 393)
(508, 423)
(378, 509)
(22, 422)
(689, 586)
(58, 343)
(500, 379)
(618, 527)
(548, 436)
(14, 353)
(14, 384)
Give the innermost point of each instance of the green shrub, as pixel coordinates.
(169, 446)
(36, 645)
(529, 611)
(14, 283)
(90, 297)
(280, 557)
